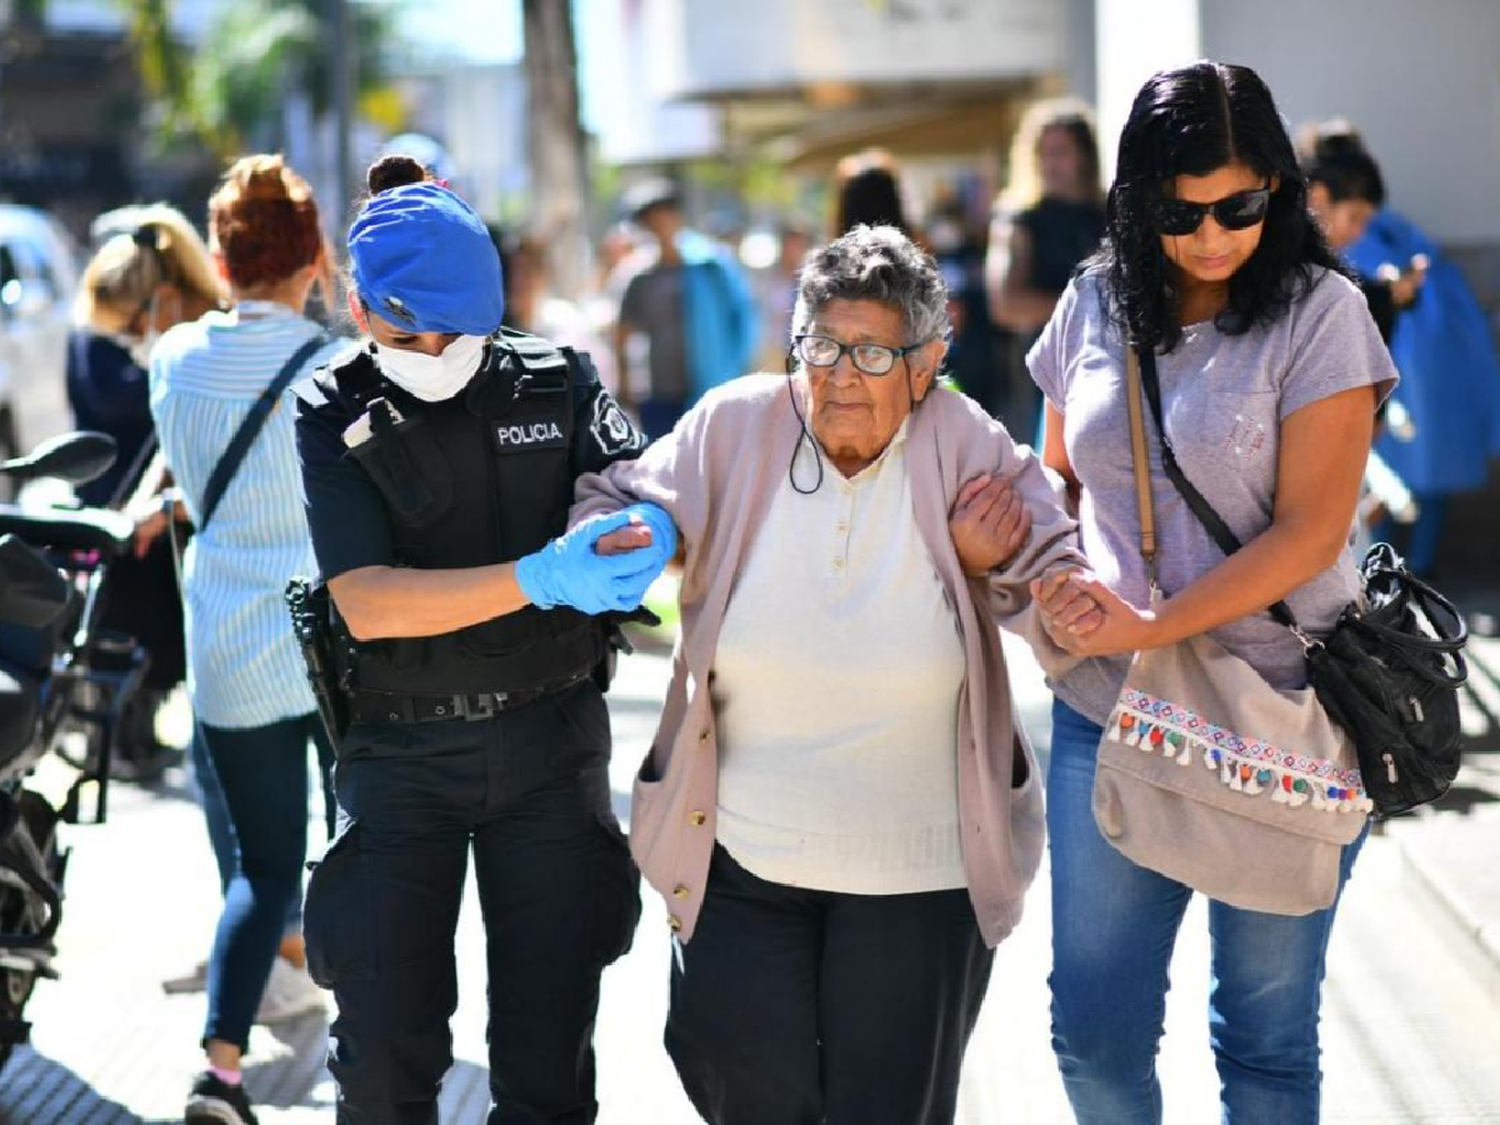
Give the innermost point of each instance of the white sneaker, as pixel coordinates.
(289, 993)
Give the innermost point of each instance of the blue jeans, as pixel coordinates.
(1113, 927)
(221, 831)
(262, 772)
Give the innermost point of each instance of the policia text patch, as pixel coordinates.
(526, 437)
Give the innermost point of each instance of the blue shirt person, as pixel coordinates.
(690, 301)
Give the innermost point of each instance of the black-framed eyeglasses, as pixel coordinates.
(872, 359)
(1239, 211)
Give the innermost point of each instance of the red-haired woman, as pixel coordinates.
(250, 697)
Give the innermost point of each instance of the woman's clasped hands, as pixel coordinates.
(1085, 617)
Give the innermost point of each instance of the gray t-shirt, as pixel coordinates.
(653, 303)
(1224, 398)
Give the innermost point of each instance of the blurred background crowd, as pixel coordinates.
(654, 171)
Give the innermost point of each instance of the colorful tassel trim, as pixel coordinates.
(1244, 765)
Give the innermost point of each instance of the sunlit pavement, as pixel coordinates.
(1411, 1027)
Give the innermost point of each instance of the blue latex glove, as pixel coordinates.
(568, 571)
(646, 563)
(649, 561)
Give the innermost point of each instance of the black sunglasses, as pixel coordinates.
(1239, 211)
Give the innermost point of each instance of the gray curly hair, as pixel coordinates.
(875, 264)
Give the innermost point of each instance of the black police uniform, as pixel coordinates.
(495, 736)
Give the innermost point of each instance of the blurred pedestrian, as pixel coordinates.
(776, 290)
(138, 284)
(1443, 428)
(840, 807)
(867, 189)
(1270, 370)
(974, 359)
(1049, 218)
(1345, 190)
(254, 710)
(686, 296)
(615, 245)
(531, 306)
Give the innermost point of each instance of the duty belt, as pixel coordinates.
(387, 707)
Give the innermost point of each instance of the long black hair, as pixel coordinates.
(1334, 155)
(1192, 121)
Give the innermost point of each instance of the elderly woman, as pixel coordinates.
(838, 806)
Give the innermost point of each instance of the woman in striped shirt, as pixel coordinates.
(250, 698)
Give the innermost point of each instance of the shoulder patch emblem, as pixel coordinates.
(612, 430)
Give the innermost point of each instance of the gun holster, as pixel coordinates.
(318, 638)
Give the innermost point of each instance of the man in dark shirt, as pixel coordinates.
(691, 303)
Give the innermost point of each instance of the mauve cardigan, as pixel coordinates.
(716, 473)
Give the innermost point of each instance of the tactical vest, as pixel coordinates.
(481, 478)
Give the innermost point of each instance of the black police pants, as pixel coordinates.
(528, 791)
(800, 1007)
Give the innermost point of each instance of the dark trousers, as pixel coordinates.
(528, 791)
(262, 772)
(800, 1007)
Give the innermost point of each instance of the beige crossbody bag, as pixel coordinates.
(1211, 776)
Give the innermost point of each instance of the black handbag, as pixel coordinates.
(1389, 674)
(1390, 670)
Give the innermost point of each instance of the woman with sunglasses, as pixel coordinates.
(1270, 370)
(839, 807)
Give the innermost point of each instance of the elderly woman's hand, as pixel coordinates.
(1086, 618)
(632, 537)
(989, 524)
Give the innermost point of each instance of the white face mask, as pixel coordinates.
(433, 378)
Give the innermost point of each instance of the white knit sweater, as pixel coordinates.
(836, 686)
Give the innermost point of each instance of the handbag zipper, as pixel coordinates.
(1390, 766)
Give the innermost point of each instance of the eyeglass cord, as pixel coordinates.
(805, 435)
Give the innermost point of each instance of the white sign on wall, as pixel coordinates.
(705, 47)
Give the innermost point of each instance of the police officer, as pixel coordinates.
(439, 465)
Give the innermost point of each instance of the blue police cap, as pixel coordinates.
(423, 260)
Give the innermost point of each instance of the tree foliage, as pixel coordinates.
(231, 93)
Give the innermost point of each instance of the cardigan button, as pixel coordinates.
(680, 891)
(697, 818)
(703, 735)
(675, 923)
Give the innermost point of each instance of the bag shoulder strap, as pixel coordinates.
(1140, 459)
(1212, 522)
(239, 445)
